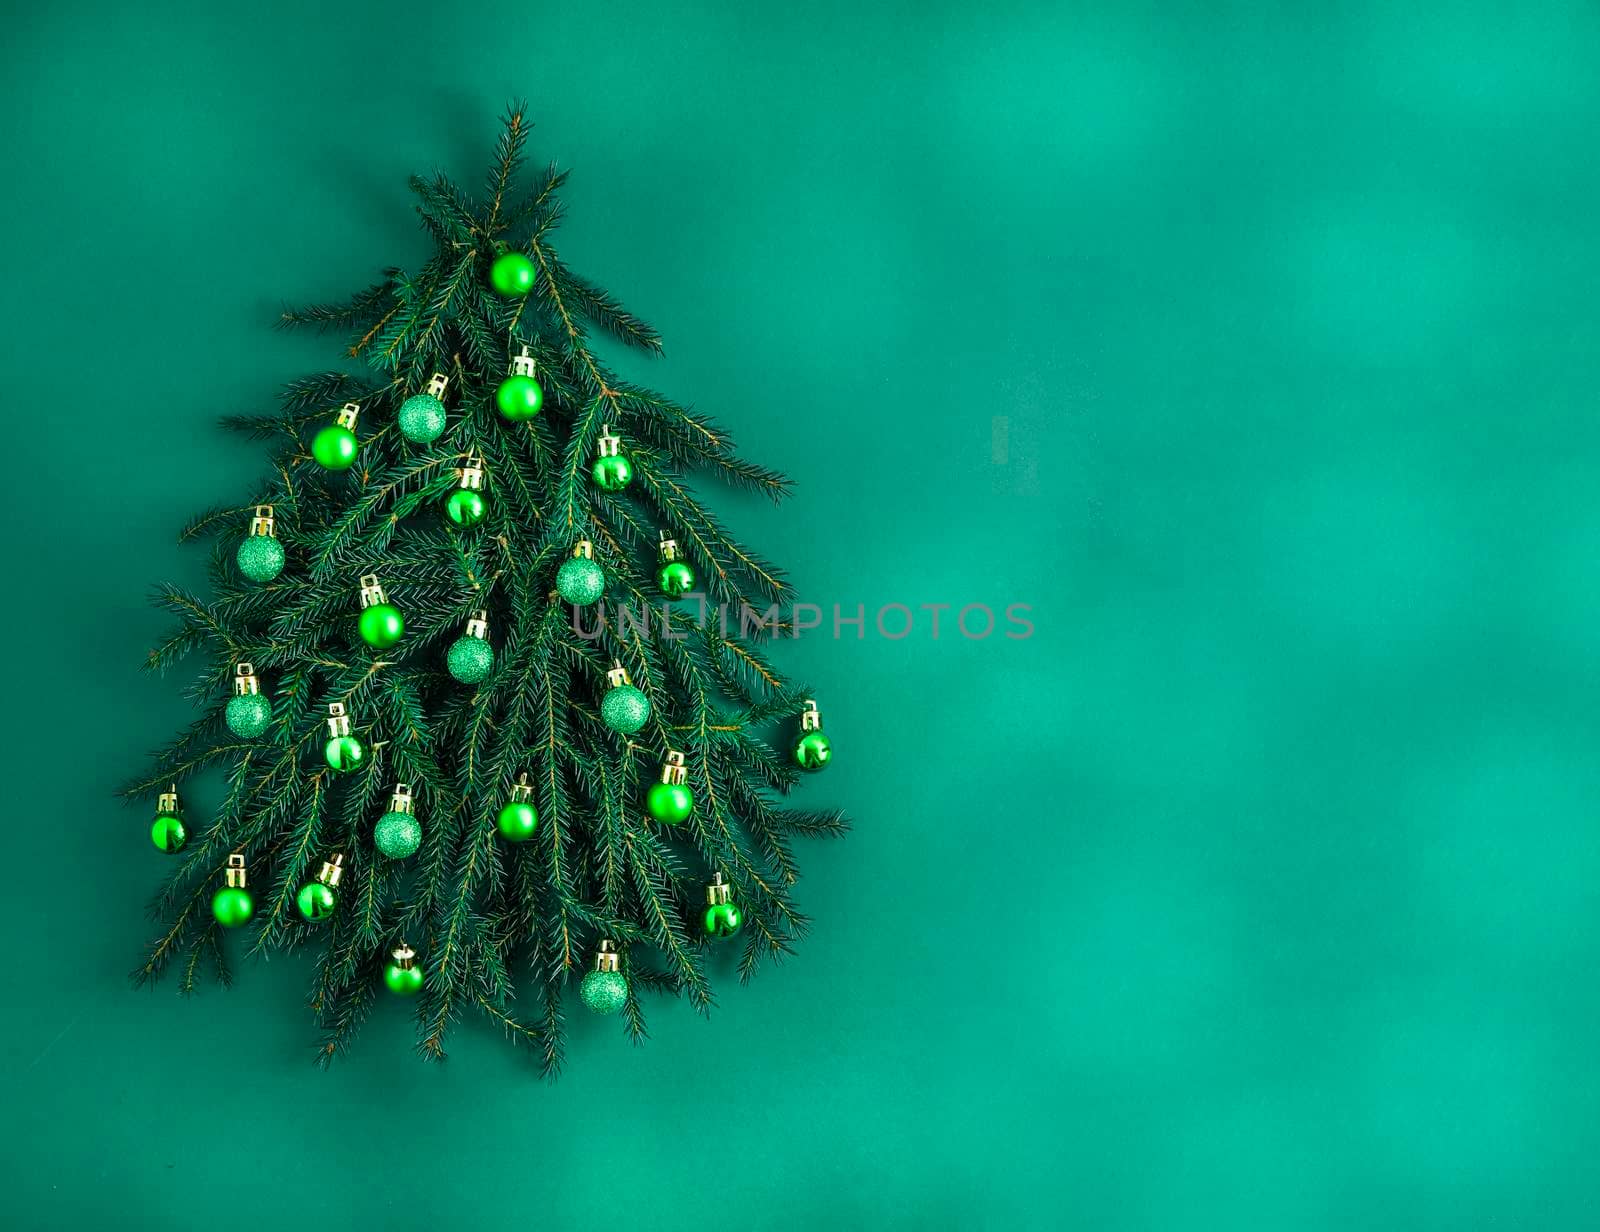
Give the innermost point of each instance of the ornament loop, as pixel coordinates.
(810, 718)
(437, 383)
(346, 418)
(372, 590)
(261, 523)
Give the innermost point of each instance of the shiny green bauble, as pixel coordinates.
(260, 558)
(612, 474)
(469, 659)
(344, 753)
(381, 625)
(669, 803)
(397, 834)
(403, 981)
(232, 906)
(169, 834)
(675, 578)
(247, 715)
(580, 581)
(316, 901)
(517, 821)
(465, 507)
(722, 919)
(519, 397)
(625, 709)
(421, 418)
(813, 751)
(511, 274)
(605, 992)
(335, 447)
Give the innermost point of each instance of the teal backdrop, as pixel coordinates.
(1253, 347)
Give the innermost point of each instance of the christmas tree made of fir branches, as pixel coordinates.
(478, 738)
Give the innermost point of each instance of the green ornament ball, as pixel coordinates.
(625, 709)
(403, 981)
(519, 397)
(722, 919)
(512, 274)
(397, 834)
(469, 659)
(580, 581)
(260, 558)
(316, 901)
(675, 578)
(381, 625)
(169, 834)
(344, 753)
(247, 715)
(813, 751)
(334, 448)
(669, 803)
(613, 473)
(465, 507)
(517, 821)
(605, 992)
(232, 906)
(421, 418)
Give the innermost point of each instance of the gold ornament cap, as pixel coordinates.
(471, 472)
(346, 418)
(606, 957)
(522, 365)
(338, 720)
(719, 891)
(584, 549)
(245, 683)
(673, 770)
(478, 624)
(436, 385)
(401, 801)
(372, 591)
(236, 874)
(167, 802)
(261, 521)
(618, 675)
(404, 956)
(669, 547)
(522, 789)
(332, 870)
(810, 717)
(609, 446)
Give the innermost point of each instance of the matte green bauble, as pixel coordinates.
(612, 474)
(335, 447)
(675, 578)
(511, 274)
(517, 821)
(403, 981)
(260, 558)
(813, 751)
(169, 834)
(605, 992)
(381, 625)
(397, 834)
(316, 901)
(580, 581)
(722, 919)
(232, 906)
(465, 507)
(421, 418)
(519, 397)
(625, 709)
(344, 753)
(669, 803)
(247, 715)
(469, 659)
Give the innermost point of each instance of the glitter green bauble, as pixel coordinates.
(669, 803)
(580, 581)
(397, 834)
(519, 397)
(604, 992)
(511, 274)
(169, 833)
(316, 901)
(421, 418)
(469, 659)
(381, 625)
(722, 920)
(403, 981)
(335, 447)
(465, 507)
(613, 473)
(813, 751)
(517, 821)
(247, 715)
(232, 906)
(675, 578)
(625, 709)
(260, 558)
(344, 753)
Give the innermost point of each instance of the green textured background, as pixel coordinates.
(1257, 889)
